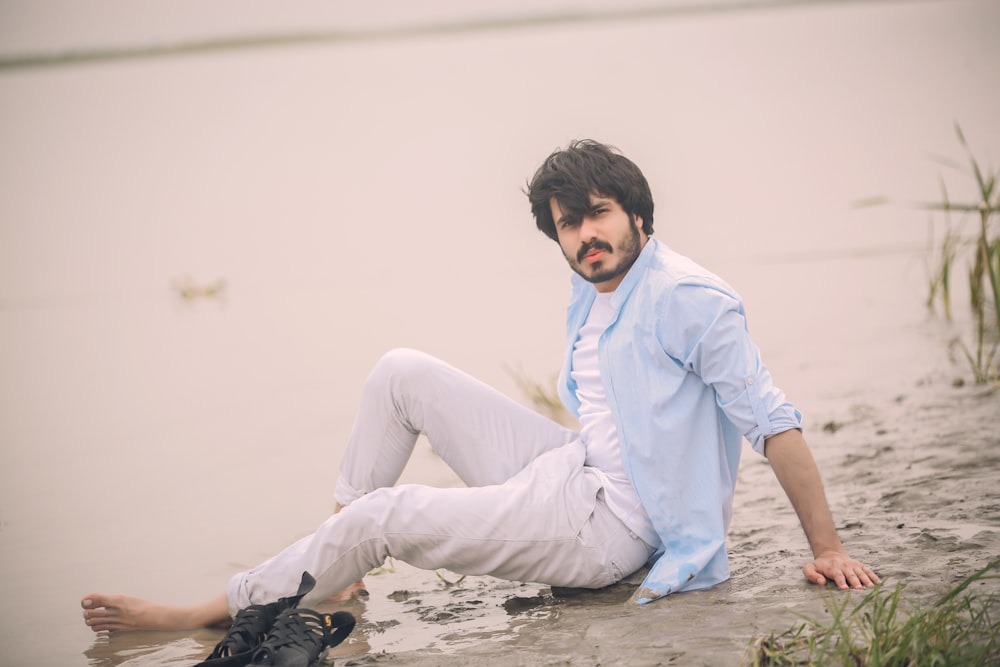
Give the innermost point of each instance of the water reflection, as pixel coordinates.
(146, 650)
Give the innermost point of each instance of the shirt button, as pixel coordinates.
(749, 380)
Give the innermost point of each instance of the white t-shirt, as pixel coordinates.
(597, 424)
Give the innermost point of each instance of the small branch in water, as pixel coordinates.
(188, 290)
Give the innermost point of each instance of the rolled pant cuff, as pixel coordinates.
(344, 493)
(236, 596)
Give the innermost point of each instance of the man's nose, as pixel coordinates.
(588, 229)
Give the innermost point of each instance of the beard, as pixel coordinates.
(617, 261)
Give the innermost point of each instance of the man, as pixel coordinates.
(666, 382)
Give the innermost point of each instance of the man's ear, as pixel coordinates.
(639, 224)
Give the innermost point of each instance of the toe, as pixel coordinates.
(95, 600)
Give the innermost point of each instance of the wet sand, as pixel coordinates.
(911, 476)
(913, 481)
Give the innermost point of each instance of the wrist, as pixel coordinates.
(829, 550)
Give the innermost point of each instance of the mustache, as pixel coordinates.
(596, 244)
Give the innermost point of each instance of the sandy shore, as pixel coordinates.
(913, 484)
(911, 478)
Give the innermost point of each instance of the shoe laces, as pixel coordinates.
(251, 624)
(300, 636)
(247, 631)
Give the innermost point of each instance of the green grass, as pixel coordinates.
(544, 398)
(984, 268)
(981, 250)
(884, 631)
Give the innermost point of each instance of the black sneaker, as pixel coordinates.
(250, 627)
(301, 638)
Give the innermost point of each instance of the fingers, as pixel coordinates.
(867, 577)
(813, 575)
(844, 574)
(860, 576)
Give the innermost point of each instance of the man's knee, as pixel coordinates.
(382, 509)
(402, 358)
(398, 367)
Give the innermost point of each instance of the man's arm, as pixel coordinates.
(796, 470)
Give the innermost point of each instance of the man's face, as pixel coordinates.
(602, 245)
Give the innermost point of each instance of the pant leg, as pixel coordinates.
(547, 524)
(484, 436)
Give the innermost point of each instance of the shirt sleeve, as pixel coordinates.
(705, 328)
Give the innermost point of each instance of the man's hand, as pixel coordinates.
(794, 467)
(841, 569)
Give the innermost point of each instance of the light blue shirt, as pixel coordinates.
(685, 384)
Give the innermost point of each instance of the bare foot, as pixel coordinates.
(115, 613)
(352, 592)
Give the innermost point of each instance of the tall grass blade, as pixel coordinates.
(883, 631)
(979, 575)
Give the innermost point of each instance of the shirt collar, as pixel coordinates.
(635, 273)
(631, 279)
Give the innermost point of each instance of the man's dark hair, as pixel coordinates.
(582, 169)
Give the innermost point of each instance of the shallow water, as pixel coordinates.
(358, 197)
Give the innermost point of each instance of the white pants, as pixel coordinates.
(532, 511)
